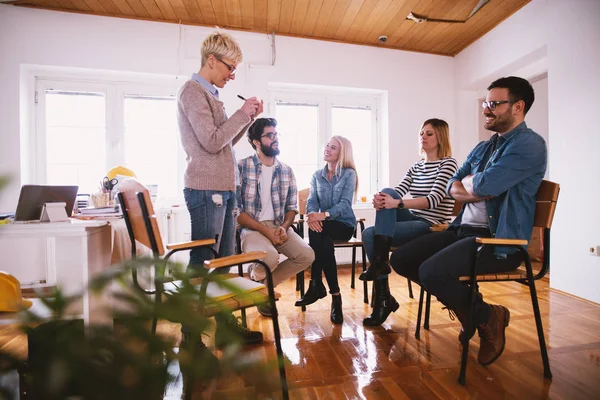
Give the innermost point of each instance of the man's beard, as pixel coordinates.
(269, 151)
(500, 123)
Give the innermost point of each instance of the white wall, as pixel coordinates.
(418, 85)
(560, 37)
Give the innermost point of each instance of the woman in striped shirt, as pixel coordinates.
(398, 221)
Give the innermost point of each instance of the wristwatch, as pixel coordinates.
(327, 215)
(401, 204)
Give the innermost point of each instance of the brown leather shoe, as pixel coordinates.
(492, 335)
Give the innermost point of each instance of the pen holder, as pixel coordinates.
(100, 199)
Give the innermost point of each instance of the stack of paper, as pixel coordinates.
(114, 211)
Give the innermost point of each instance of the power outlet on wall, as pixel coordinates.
(594, 251)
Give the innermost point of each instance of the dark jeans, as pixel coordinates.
(211, 214)
(437, 260)
(401, 225)
(322, 245)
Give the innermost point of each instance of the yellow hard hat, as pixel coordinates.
(119, 170)
(11, 297)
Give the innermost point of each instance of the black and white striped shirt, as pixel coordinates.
(429, 179)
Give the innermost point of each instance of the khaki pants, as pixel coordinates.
(299, 254)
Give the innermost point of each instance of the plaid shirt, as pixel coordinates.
(284, 193)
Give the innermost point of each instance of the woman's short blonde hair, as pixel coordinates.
(442, 132)
(346, 158)
(221, 45)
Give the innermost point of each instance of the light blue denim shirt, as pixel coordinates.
(512, 177)
(335, 196)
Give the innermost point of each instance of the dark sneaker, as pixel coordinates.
(492, 335)
(265, 310)
(200, 355)
(230, 330)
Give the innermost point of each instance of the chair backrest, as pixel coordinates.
(546, 199)
(139, 215)
(302, 199)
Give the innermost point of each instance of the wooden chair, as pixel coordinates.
(546, 199)
(142, 226)
(353, 243)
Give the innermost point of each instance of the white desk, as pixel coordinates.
(59, 253)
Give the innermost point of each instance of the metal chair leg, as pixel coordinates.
(540, 329)
(427, 309)
(277, 334)
(470, 326)
(410, 292)
(364, 266)
(418, 329)
(244, 321)
(300, 285)
(353, 267)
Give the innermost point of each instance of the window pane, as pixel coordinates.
(75, 139)
(356, 124)
(152, 142)
(298, 126)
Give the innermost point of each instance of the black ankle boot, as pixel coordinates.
(385, 304)
(336, 310)
(380, 265)
(316, 290)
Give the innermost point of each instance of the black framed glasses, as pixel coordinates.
(271, 135)
(232, 70)
(492, 104)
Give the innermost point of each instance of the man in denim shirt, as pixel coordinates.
(498, 183)
(268, 206)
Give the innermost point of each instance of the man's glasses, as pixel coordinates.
(270, 135)
(492, 104)
(231, 69)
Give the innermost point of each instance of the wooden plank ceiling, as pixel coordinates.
(348, 21)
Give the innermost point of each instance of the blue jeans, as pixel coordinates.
(211, 214)
(399, 224)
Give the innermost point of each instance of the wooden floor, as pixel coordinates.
(350, 361)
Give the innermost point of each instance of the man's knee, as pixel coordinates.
(306, 256)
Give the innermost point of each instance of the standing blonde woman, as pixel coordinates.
(208, 136)
(330, 217)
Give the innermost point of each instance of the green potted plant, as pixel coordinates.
(68, 360)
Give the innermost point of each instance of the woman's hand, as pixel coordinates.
(260, 109)
(384, 200)
(315, 216)
(251, 107)
(314, 221)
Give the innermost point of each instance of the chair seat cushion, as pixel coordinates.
(353, 242)
(256, 294)
(517, 274)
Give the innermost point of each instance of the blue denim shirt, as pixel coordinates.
(512, 177)
(335, 196)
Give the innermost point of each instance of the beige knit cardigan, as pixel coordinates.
(208, 136)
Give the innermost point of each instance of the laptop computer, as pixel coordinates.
(33, 198)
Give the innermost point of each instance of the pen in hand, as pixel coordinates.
(241, 97)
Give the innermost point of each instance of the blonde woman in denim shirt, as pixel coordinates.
(330, 217)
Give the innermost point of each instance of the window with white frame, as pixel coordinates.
(306, 121)
(85, 128)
